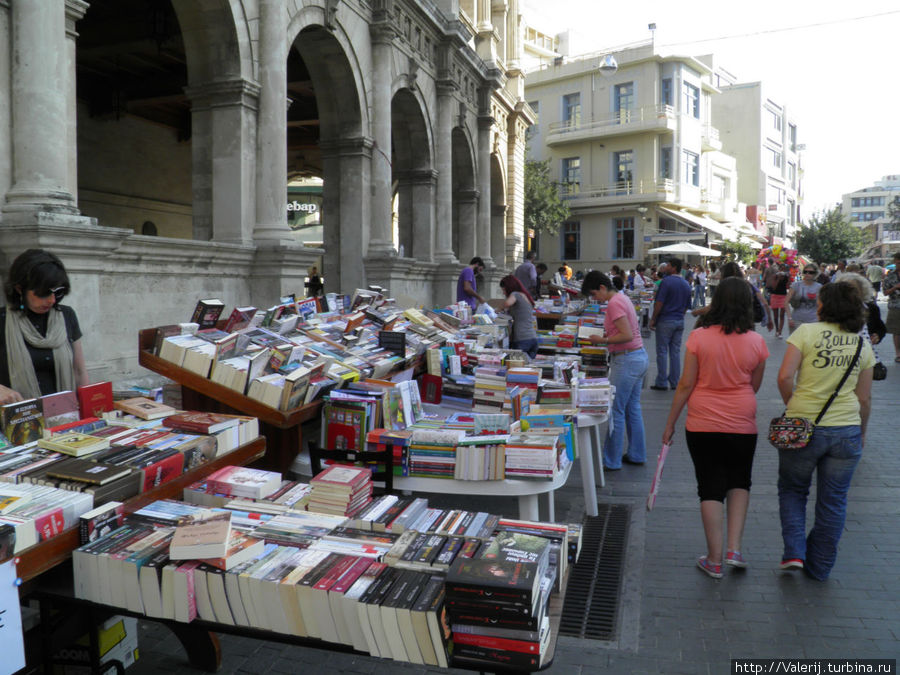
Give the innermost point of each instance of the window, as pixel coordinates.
(775, 157)
(624, 229)
(665, 95)
(774, 119)
(691, 100)
(571, 175)
(791, 212)
(623, 170)
(534, 129)
(624, 100)
(572, 109)
(665, 163)
(571, 241)
(792, 136)
(867, 201)
(690, 172)
(792, 174)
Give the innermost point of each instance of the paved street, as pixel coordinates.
(673, 618)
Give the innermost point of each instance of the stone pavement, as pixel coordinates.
(673, 618)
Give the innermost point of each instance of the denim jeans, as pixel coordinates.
(627, 375)
(699, 296)
(668, 352)
(833, 452)
(530, 347)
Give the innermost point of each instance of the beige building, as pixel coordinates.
(758, 131)
(151, 146)
(631, 139)
(868, 209)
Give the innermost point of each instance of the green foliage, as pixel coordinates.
(544, 210)
(894, 213)
(737, 251)
(829, 237)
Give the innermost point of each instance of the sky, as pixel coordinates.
(833, 65)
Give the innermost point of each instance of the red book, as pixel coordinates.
(491, 642)
(200, 422)
(430, 388)
(49, 524)
(72, 425)
(162, 471)
(94, 399)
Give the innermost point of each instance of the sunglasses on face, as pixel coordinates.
(809, 271)
(59, 293)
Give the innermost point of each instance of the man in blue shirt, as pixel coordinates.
(673, 299)
(466, 287)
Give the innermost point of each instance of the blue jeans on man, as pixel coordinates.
(627, 376)
(833, 453)
(668, 352)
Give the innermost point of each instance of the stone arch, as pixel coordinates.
(465, 194)
(414, 178)
(336, 146)
(498, 211)
(217, 44)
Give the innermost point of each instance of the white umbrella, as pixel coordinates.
(687, 248)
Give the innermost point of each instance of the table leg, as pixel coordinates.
(202, 646)
(598, 446)
(586, 454)
(528, 507)
(551, 507)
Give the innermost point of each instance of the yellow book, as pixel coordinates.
(74, 443)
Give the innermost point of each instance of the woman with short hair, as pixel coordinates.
(818, 356)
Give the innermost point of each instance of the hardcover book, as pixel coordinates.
(144, 408)
(59, 408)
(95, 399)
(23, 421)
(85, 471)
(207, 312)
(74, 443)
(200, 422)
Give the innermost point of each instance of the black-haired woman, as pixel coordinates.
(724, 363)
(41, 351)
(818, 355)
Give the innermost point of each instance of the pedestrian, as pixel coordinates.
(526, 273)
(699, 287)
(824, 275)
(724, 363)
(314, 282)
(802, 298)
(891, 288)
(762, 313)
(673, 299)
(875, 273)
(467, 287)
(819, 356)
(713, 278)
(640, 281)
(839, 271)
(539, 269)
(629, 364)
(874, 329)
(754, 275)
(567, 272)
(777, 283)
(520, 305)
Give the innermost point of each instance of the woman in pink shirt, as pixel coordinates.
(629, 363)
(724, 363)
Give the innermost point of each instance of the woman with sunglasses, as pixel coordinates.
(41, 351)
(803, 297)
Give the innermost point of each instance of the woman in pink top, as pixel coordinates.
(724, 364)
(629, 363)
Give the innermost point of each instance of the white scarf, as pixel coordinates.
(20, 330)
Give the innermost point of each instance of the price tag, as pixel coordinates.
(12, 642)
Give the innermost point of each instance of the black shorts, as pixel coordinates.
(722, 462)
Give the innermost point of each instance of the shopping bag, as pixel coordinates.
(654, 486)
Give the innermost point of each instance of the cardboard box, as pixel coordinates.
(118, 641)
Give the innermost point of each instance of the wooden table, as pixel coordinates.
(282, 429)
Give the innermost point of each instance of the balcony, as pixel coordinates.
(652, 119)
(625, 192)
(710, 139)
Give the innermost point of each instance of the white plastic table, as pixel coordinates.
(588, 443)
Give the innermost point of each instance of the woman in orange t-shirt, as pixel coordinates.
(724, 363)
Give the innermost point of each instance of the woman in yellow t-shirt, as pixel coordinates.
(819, 354)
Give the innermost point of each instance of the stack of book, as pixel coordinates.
(595, 361)
(497, 602)
(341, 490)
(432, 452)
(242, 481)
(394, 442)
(527, 378)
(480, 458)
(490, 389)
(593, 396)
(533, 456)
(458, 392)
(291, 494)
(40, 512)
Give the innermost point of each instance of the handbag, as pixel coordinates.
(879, 371)
(793, 433)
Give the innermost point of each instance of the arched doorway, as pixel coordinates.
(465, 196)
(498, 213)
(414, 178)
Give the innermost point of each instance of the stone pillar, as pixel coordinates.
(444, 165)
(5, 101)
(224, 116)
(515, 188)
(271, 144)
(40, 116)
(405, 217)
(484, 16)
(498, 235)
(466, 213)
(483, 219)
(381, 241)
(423, 208)
(75, 10)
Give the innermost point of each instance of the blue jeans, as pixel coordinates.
(627, 375)
(530, 347)
(699, 296)
(833, 452)
(668, 352)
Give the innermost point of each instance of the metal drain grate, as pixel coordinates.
(592, 596)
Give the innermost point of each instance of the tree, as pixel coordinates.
(735, 250)
(829, 237)
(544, 210)
(894, 214)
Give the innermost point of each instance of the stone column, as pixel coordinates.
(5, 101)
(40, 116)
(483, 219)
(466, 212)
(423, 190)
(381, 240)
(224, 116)
(75, 10)
(515, 215)
(483, 22)
(443, 163)
(271, 144)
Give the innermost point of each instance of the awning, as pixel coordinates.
(702, 222)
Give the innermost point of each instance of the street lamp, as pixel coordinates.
(608, 65)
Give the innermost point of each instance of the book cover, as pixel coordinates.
(74, 443)
(493, 579)
(85, 471)
(95, 399)
(239, 318)
(207, 312)
(344, 478)
(100, 521)
(22, 422)
(200, 422)
(59, 408)
(144, 408)
(241, 481)
(241, 548)
(207, 536)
